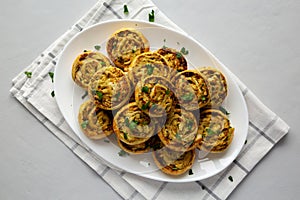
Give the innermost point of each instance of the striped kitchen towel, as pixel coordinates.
(265, 127)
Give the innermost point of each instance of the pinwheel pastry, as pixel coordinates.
(132, 126)
(174, 162)
(94, 122)
(110, 88)
(217, 85)
(86, 65)
(216, 131)
(192, 90)
(180, 131)
(152, 143)
(176, 60)
(154, 95)
(124, 45)
(149, 64)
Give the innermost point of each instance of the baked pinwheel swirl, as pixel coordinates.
(124, 45)
(217, 85)
(152, 143)
(192, 90)
(86, 65)
(110, 88)
(94, 122)
(174, 162)
(132, 126)
(149, 64)
(217, 134)
(154, 95)
(180, 131)
(175, 59)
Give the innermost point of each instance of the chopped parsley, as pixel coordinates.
(84, 95)
(145, 89)
(223, 110)
(178, 137)
(52, 94)
(97, 47)
(28, 74)
(150, 69)
(245, 142)
(230, 178)
(187, 96)
(125, 9)
(125, 136)
(84, 124)
(51, 74)
(85, 50)
(210, 131)
(168, 92)
(145, 106)
(191, 172)
(151, 16)
(203, 98)
(127, 121)
(184, 51)
(122, 153)
(132, 125)
(178, 55)
(99, 94)
(107, 141)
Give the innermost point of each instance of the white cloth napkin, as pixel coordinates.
(265, 127)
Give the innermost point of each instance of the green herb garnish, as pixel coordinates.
(107, 141)
(184, 51)
(28, 74)
(122, 153)
(191, 172)
(223, 110)
(51, 74)
(99, 94)
(168, 92)
(52, 94)
(132, 125)
(230, 178)
(178, 137)
(145, 89)
(97, 47)
(210, 131)
(151, 16)
(203, 98)
(125, 136)
(150, 69)
(125, 9)
(145, 106)
(127, 122)
(187, 96)
(178, 55)
(84, 124)
(245, 142)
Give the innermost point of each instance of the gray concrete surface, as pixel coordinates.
(258, 40)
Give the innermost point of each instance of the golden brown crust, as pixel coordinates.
(173, 162)
(154, 95)
(94, 122)
(86, 65)
(132, 126)
(175, 59)
(124, 45)
(216, 131)
(217, 85)
(110, 88)
(149, 64)
(192, 91)
(180, 131)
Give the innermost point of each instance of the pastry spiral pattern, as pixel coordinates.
(94, 122)
(175, 59)
(86, 65)
(216, 131)
(109, 88)
(124, 45)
